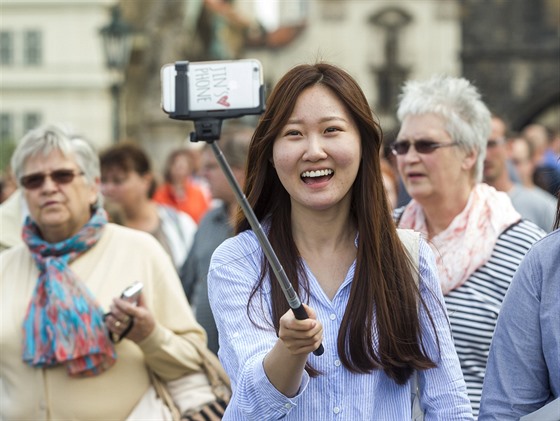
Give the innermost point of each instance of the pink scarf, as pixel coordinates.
(467, 243)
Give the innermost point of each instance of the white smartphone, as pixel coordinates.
(132, 292)
(220, 89)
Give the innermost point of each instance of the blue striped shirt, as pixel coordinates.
(337, 394)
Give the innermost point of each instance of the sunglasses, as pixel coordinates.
(36, 180)
(421, 146)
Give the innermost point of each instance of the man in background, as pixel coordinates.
(217, 225)
(521, 154)
(529, 203)
(546, 156)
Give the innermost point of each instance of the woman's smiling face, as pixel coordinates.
(317, 153)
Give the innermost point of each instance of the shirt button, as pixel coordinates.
(333, 316)
(287, 406)
(336, 409)
(337, 363)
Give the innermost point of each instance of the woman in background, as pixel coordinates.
(128, 184)
(179, 190)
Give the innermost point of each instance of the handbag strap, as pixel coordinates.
(164, 395)
(217, 377)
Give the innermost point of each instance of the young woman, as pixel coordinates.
(315, 183)
(127, 182)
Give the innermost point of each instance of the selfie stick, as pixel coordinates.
(209, 131)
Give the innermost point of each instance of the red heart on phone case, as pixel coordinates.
(224, 101)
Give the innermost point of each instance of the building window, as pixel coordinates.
(6, 127)
(31, 121)
(32, 48)
(6, 48)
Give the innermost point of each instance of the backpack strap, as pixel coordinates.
(411, 241)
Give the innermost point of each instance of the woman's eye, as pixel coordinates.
(332, 129)
(292, 133)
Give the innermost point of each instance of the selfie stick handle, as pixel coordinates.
(289, 293)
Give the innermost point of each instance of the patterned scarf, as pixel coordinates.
(64, 324)
(467, 243)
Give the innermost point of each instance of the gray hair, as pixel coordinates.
(53, 137)
(458, 103)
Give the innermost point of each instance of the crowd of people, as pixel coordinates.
(427, 269)
(60, 289)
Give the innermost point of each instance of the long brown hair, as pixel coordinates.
(384, 282)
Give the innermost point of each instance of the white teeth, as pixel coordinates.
(318, 173)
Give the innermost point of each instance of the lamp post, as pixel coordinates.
(117, 42)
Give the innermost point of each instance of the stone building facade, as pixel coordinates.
(511, 50)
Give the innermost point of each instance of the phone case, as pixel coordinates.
(215, 86)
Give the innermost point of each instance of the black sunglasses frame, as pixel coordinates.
(36, 180)
(424, 147)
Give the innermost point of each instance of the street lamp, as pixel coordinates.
(117, 43)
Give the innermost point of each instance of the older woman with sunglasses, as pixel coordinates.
(478, 237)
(61, 318)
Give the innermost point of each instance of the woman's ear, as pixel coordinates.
(147, 178)
(469, 160)
(95, 191)
(150, 184)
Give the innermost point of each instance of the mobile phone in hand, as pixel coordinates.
(132, 292)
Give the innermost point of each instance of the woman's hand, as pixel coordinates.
(285, 362)
(300, 336)
(122, 312)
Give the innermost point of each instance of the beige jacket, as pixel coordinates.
(11, 220)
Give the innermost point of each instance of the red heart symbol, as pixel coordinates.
(223, 101)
